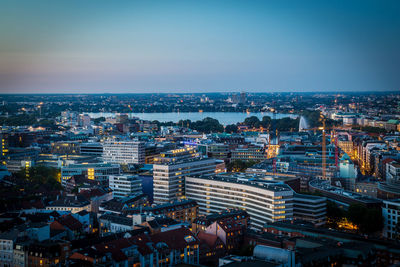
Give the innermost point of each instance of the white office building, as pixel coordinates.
(264, 201)
(170, 169)
(124, 152)
(125, 185)
(391, 218)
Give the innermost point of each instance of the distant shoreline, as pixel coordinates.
(224, 118)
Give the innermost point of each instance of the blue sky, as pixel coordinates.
(95, 46)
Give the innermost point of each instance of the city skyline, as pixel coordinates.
(195, 47)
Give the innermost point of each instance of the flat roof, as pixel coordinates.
(255, 180)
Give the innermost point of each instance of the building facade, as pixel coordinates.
(264, 201)
(124, 152)
(170, 169)
(309, 208)
(94, 171)
(391, 218)
(125, 185)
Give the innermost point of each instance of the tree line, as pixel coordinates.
(210, 125)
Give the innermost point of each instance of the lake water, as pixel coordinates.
(224, 118)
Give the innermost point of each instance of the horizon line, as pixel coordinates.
(211, 92)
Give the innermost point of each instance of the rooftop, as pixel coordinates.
(326, 187)
(254, 180)
(117, 219)
(69, 201)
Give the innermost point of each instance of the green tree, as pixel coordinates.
(333, 212)
(355, 214)
(207, 125)
(368, 220)
(239, 165)
(286, 124)
(252, 121)
(266, 121)
(41, 175)
(99, 119)
(312, 117)
(231, 128)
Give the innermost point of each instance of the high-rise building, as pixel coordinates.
(170, 169)
(124, 152)
(125, 185)
(264, 201)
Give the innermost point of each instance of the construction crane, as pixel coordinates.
(324, 129)
(273, 149)
(323, 148)
(334, 141)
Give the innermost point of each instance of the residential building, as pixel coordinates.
(7, 240)
(230, 231)
(49, 253)
(202, 222)
(122, 205)
(176, 246)
(184, 210)
(71, 203)
(113, 223)
(20, 254)
(211, 248)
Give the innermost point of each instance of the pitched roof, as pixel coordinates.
(207, 238)
(91, 193)
(160, 222)
(57, 226)
(117, 219)
(209, 219)
(70, 222)
(70, 201)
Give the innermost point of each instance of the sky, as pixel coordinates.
(102, 46)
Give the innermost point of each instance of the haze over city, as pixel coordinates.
(198, 46)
